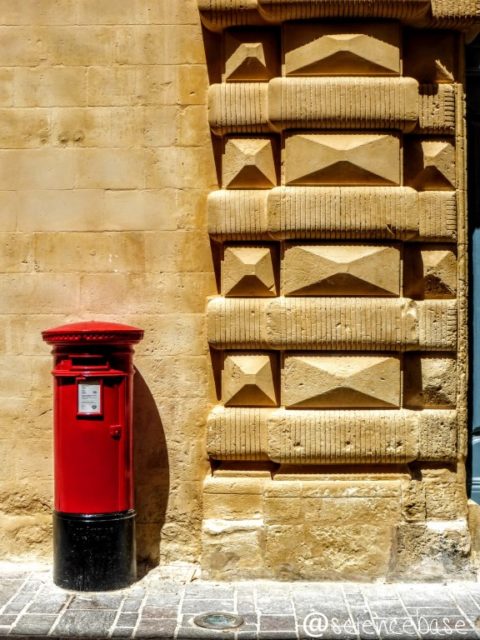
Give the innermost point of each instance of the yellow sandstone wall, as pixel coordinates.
(105, 165)
(311, 423)
(339, 332)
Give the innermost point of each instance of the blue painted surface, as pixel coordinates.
(473, 113)
(475, 369)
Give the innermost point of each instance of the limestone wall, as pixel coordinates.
(307, 180)
(105, 165)
(339, 332)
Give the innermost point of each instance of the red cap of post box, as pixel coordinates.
(93, 332)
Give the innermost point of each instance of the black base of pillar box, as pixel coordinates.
(94, 552)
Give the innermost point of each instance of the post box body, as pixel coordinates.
(93, 433)
(94, 517)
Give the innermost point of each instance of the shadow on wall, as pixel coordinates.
(152, 478)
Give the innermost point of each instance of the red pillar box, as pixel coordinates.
(94, 517)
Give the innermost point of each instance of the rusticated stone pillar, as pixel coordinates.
(339, 344)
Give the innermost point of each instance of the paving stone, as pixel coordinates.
(162, 600)
(275, 605)
(382, 609)
(159, 612)
(249, 618)
(427, 624)
(17, 604)
(8, 589)
(6, 620)
(199, 590)
(198, 632)
(33, 623)
(31, 586)
(466, 603)
(127, 619)
(395, 627)
(150, 628)
(355, 599)
(277, 623)
(247, 635)
(122, 632)
(245, 605)
(416, 612)
(103, 601)
(85, 623)
(247, 628)
(131, 604)
(198, 605)
(379, 592)
(48, 603)
(415, 597)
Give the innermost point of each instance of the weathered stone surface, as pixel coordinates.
(218, 14)
(250, 55)
(372, 213)
(106, 161)
(332, 323)
(430, 165)
(344, 436)
(231, 548)
(249, 380)
(341, 382)
(315, 159)
(432, 550)
(248, 272)
(342, 49)
(341, 270)
(249, 163)
(430, 381)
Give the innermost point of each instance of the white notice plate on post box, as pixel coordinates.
(90, 398)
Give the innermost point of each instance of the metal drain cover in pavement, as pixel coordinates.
(218, 620)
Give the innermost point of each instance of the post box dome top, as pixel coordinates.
(93, 332)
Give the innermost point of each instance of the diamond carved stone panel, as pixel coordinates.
(249, 380)
(430, 165)
(340, 270)
(336, 49)
(250, 55)
(248, 272)
(249, 163)
(336, 381)
(342, 159)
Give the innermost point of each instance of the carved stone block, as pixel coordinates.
(333, 437)
(238, 107)
(430, 381)
(336, 49)
(430, 272)
(343, 103)
(336, 381)
(430, 165)
(332, 323)
(342, 159)
(249, 380)
(248, 271)
(249, 163)
(250, 55)
(340, 270)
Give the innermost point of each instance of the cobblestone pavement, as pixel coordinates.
(162, 606)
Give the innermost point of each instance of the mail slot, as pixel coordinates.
(94, 515)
